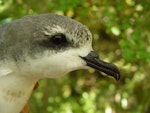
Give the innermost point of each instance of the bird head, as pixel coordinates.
(49, 45)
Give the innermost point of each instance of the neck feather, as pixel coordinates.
(15, 91)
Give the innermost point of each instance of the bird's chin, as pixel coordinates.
(60, 74)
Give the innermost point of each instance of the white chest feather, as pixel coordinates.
(14, 93)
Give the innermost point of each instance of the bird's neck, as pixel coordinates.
(15, 91)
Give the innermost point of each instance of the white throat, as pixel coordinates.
(15, 91)
(16, 83)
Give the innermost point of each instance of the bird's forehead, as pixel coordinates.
(78, 34)
(51, 24)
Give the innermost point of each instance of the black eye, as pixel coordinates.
(59, 39)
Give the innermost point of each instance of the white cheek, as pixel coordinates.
(56, 65)
(62, 64)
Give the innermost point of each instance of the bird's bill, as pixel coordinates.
(93, 61)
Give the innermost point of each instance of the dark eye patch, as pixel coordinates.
(54, 41)
(58, 39)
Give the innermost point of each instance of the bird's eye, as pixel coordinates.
(59, 39)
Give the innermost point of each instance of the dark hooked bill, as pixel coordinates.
(92, 60)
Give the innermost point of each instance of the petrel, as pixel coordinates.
(42, 46)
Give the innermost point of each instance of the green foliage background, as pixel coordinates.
(121, 34)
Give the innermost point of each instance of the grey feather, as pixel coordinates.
(20, 38)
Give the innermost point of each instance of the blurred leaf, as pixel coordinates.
(121, 35)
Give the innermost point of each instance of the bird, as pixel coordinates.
(43, 46)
